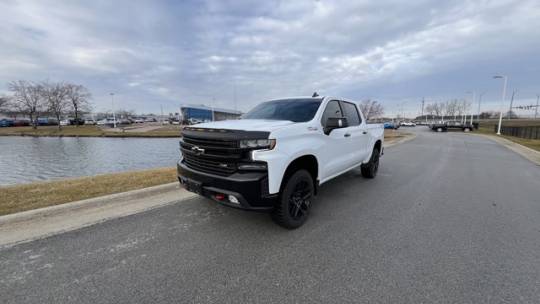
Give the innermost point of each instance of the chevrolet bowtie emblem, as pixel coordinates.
(197, 150)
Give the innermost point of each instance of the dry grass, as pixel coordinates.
(87, 131)
(37, 195)
(393, 135)
(488, 127)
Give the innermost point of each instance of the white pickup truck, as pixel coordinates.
(278, 154)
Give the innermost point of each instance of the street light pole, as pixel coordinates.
(465, 111)
(472, 103)
(479, 102)
(502, 101)
(113, 114)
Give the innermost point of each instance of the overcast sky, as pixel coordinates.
(153, 53)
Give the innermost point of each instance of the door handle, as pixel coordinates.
(364, 132)
(347, 135)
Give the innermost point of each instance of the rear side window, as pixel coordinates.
(332, 110)
(351, 113)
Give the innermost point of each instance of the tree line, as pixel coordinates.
(458, 109)
(34, 99)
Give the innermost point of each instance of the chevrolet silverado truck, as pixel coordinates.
(275, 158)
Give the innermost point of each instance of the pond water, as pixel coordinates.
(28, 159)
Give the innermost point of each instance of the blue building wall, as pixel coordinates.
(201, 114)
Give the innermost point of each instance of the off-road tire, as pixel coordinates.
(370, 169)
(288, 211)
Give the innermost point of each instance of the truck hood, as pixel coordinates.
(246, 124)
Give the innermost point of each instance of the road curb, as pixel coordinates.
(27, 226)
(84, 204)
(528, 153)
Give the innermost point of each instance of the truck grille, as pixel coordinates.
(214, 156)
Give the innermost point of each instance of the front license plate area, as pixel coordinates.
(193, 186)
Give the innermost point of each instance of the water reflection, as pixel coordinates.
(27, 159)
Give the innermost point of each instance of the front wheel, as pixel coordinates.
(292, 209)
(370, 169)
(466, 130)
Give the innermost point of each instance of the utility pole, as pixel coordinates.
(422, 107)
(161, 117)
(536, 111)
(235, 94)
(213, 102)
(511, 104)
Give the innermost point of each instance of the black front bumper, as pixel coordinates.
(250, 188)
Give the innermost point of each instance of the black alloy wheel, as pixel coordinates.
(295, 201)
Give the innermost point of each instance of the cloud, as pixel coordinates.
(153, 54)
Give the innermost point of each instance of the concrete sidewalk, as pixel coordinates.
(39, 223)
(526, 152)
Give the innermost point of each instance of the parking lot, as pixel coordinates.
(451, 218)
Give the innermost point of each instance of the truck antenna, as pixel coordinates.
(315, 94)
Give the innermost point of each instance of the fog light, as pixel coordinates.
(252, 166)
(233, 199)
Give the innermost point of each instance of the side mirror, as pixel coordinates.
(335, 123)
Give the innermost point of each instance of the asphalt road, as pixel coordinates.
(451, 218)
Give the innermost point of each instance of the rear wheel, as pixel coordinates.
(466, 130)
(370, 169)
(439, 129)
(295, 200)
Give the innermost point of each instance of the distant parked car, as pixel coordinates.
(391, 125)
(21, 122)
(45, 121)
(6, 122)
(407, 124)
(64, 122)
(90, 122)
(77, 121)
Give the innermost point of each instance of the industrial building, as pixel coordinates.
(192, 114)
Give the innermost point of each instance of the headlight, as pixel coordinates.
(258, 143)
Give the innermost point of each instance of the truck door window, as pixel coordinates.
(332, 110)
(351, 113)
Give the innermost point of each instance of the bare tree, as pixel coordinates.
(78, 96)
(4, 103)
(28, 99)
(56, 97)
(371, 108)
(438, 108)
(452, 108)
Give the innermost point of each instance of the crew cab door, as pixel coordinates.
(335, 156)
(359, 142)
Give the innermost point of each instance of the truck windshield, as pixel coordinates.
(296, 110)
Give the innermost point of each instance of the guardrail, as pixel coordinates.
(530, 132)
